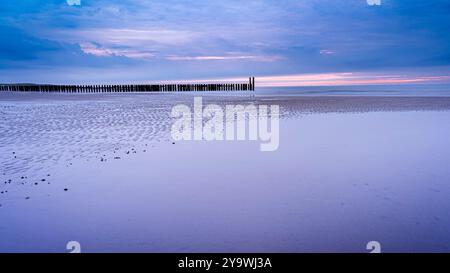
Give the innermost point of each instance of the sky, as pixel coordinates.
(280, 42)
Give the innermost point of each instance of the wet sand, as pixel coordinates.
(103, 170)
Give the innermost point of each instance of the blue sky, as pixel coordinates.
(282, 42)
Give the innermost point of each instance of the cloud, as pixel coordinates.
(19, 47)
(326, 52)
(138, 43)
(125, 37)
(224, 58)
(93, 49)
(136, 36)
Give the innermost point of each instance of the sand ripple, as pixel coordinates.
(41, 130)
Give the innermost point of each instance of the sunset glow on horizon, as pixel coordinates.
(333, 79)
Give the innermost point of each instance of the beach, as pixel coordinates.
(103, 170)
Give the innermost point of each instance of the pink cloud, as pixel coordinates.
(334, 79)
(221, 58)
(331, 79)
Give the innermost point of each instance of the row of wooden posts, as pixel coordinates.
(250, 86)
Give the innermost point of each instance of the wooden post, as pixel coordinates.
(174, 87)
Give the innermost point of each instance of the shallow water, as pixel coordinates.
(411, 90)
(349, 170)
